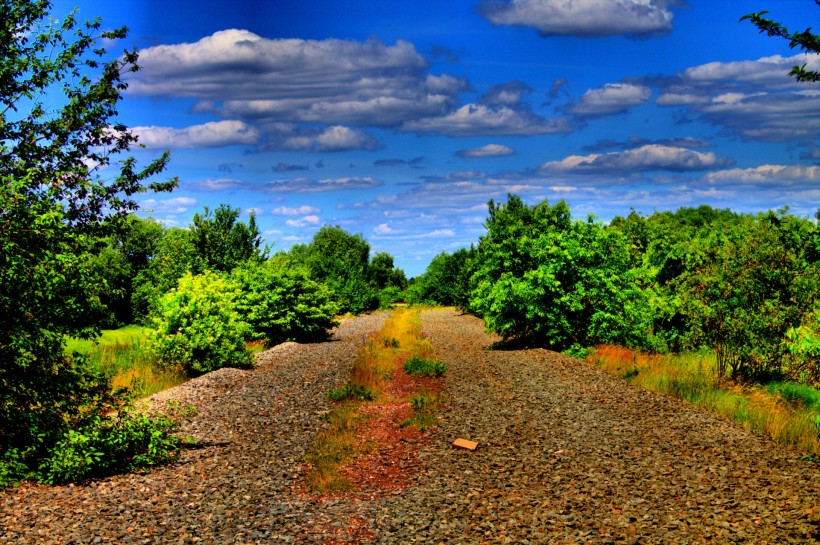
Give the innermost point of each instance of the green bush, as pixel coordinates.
(421, 367)
(281, 303)
(198, 326)
(106, 445)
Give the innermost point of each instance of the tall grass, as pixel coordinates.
(786, 412)
(122, 354)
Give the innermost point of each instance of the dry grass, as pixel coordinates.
(692, 377)
(381, 356)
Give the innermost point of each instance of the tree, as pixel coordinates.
(806, 41)
(340, 260)
(222, 242)
(58, 131)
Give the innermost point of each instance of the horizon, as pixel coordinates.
(400, 121)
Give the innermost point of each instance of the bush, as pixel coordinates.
(421, 367)
(198, 326)
(281, 303)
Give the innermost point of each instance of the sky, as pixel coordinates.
(401, 119)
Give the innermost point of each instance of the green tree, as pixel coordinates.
(281, 303)
(340, 260)
(805, 41)
(58, 131)
(222, 242)
(543, 277)
(748, 286)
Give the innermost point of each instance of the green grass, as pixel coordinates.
(123, 335)
(123, 355)
(421, 367)
(787, 412)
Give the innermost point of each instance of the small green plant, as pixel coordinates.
(351, 391)
(390, 342)
(421, 367)
(424, 405)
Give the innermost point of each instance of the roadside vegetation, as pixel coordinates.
(378, 363)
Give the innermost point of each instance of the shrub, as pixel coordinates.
(421, 367)
(198, 326)
(282, 303)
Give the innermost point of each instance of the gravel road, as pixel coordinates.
(567, 454)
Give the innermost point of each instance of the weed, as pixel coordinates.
(797, 395)
(421, 367)
(351, 391)
(390, 342)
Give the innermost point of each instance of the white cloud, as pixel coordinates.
(174, 205)
(241, 74)
(582, 17)
(221, 184)
(481, 120)
(648, 157)
(308, 185)
(383, 229)
(335, 138)
(208, 135)
(754, 99)
(303, 222)
(612, 98)
(299, 210)
(490, 150)
(784, 175)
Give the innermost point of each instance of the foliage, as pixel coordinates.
(198, 326)
(747, 286)
(383, 274)
(446, 281)
(106, 445)
(340, 260)
(281, 303)
(421, 367)
(175, 255)
(55, 205)
(351, 391)
(806, 41)
(221, 242)
(543, 277)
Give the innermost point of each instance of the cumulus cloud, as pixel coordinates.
(307, 185)
(644, 158)
(207, 135)
(246, 76)
(490, 150)
(506, 94)
(335, 138)
(582, 17)
(612, 98)
(297, 211)
(481, 120)
(754, 99)
(783, 175)
(303, 222)
(383, 229)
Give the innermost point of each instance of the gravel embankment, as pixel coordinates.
(567, 454)
(255, 427)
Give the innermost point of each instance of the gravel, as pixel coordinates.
(567, 454)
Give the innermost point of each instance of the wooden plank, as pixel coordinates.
(465, 444)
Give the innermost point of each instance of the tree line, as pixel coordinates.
(743, 285)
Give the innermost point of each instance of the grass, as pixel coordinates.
(380, 356)
(122, 354)
(786, 412)
(421, 367)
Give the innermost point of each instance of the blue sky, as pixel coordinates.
(399, 120)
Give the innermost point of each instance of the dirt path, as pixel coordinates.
(567, 455)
